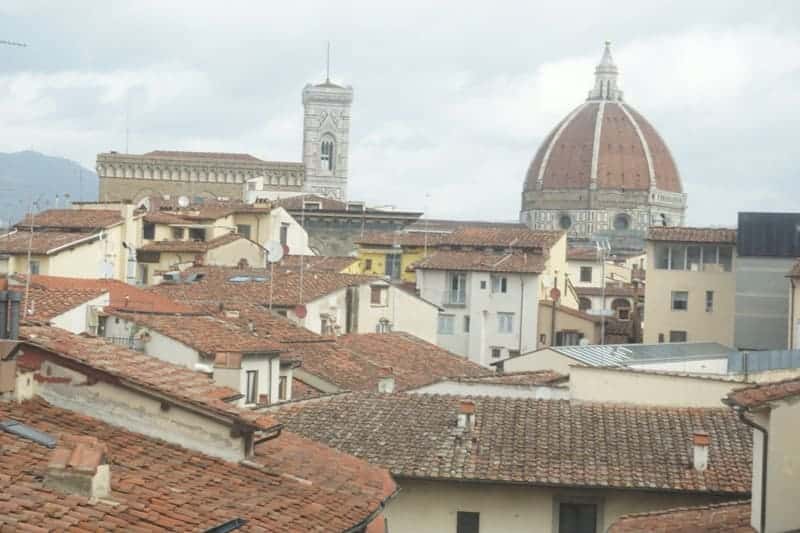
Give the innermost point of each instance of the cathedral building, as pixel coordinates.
(603, 170)
(198, 175)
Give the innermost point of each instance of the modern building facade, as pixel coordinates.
(603, 170)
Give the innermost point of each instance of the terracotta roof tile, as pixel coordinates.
(399, 238)
(583, 254)
(728, 517)
(477, 261)
(123, 295)
(208, 335)
(44, 305)
(761, 394)
(681, 234)
(302, 486)
(17, 242)
(191, 246)
(175, 381)
(502, 236)
(549, 442)
(522, 378)
(73, 219)
(315, 263)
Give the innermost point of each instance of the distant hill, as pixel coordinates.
(25, 176)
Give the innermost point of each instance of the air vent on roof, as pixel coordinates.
(246, 279)
(194, 276)
(26, 432)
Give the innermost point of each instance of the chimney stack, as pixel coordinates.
(700, 443)
(386, 380)
(9, 314)
(466, 414)
(79, 465)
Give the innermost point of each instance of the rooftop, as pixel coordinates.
(44, 305)
(172, 154)
(760, 395)
(316, 263)
(728, 517)
(683, 234)
(42, 243)
(478, 261)
(295, 485)
(550, 442)
(532, 378)
(73, 219)
(398, 238)
(313, 202)
(502, 236)
(191, 246)
(624, 354)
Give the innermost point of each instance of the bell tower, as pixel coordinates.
(326, 137)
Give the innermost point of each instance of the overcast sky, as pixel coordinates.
(451, 98)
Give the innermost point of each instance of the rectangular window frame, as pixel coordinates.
(378, 295)
(178, 234)
(673, 301)
(586, 274)
(251, 387)
(709, 301)
(466, 323)
(284, 234)
(197, 234)
(394, 266)
(678, 333)
(446, 325)
(499, 284)
(283, 382)
(505, 323)
(148, 231)
(456, 288)
(577, 500)
(468, 522)
(34, 267)
(243, 230)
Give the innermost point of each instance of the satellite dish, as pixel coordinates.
(274, 251)
(183, 201)
(144, 204)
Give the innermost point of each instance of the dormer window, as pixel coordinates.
(326, 153)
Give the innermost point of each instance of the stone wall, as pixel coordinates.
(114, 189)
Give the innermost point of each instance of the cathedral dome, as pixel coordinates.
(604, 144)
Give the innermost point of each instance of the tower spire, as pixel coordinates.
(605, 78)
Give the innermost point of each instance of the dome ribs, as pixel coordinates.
(666, 171)
(622, 163)
(569, 165)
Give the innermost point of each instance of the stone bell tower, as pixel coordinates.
(326, 138)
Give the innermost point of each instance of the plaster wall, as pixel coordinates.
(543, 359)
(77, 320)
(406, 312)
(432, 506)
(783, 467)
(700, 325)
(711, 365)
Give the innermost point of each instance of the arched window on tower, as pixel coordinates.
(327, 153)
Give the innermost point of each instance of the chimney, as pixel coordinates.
(386, 380)
(14, 311)
(79, 465)
(700, 443)
(3, 314)
(466, 414)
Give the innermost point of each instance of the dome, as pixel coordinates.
(604, 144)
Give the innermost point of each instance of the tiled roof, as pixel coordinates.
(17, 242)
(191, 246)
(728, 517)
(399, 238)
(583, 254)
(795, 271)
(46, 304)
(681, 234)
(413, 361)
(206, 334)
(182, 384)
(179, 154)
(439, 225)
(296, 484)
(536, 442)
(476, 261)
(303, 391)
(522, 378)
(502, 236)
(123, 295)
(74, 219)
(610, 290)
(758, 395)
(315, 263)
(216, 286)
(572, 312)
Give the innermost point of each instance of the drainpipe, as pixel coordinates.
(521, 309)
(553, 316)
(764, 449)
(791, 315)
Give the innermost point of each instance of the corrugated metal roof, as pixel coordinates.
(625, 354)
(761, 361)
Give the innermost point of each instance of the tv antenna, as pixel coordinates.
(274, 251)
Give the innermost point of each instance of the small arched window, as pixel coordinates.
(327, 153)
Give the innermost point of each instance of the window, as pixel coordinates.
(499, 284)
(661, 338)
(483, 284)
(709, 301)
(726, 258)
(243, 230)
(282, 387)
(34, 267)
(505, 322)
(693, 260)
(378, 295)
(467, 522)
(149, 231)
(144, 274)
(496, 352)
(586, 274)
(622, 308)
(622, 222)
(565, 222)
(584, 304)
(680, 300)
(284, 236)
(513, 353)
(577, 517)
(568, 338)
(367, 264)
(662, 256)
(326, 153)
(312, 206)
(177, 234)
(466, 323)
(677, 257)
(677, 336)
(457, 288)
(251, 394)
(446, 324)
(325, 326)
(393, 262)
(197, 234)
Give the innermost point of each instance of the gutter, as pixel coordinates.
(764, 449)
(74, 243)
(361, 526)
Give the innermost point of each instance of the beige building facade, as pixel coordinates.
(691, 285)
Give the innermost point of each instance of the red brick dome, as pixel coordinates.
(604, 144)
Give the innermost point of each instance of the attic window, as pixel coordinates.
(312, 206)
